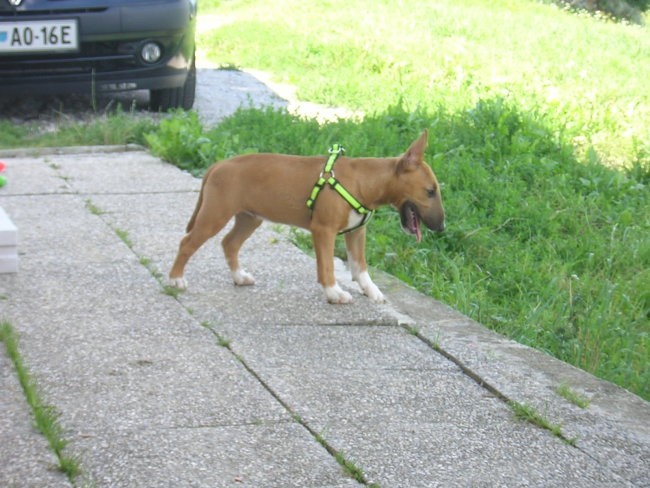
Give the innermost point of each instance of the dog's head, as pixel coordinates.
(418, 197)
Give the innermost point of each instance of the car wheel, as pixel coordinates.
(181, 97)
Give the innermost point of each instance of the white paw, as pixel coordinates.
(369, 288)
(242, 278)
(335, 294)
(375, 294)
(180, 283)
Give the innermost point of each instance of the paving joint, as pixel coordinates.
(467, 371)
(409, 325)
(348, 467)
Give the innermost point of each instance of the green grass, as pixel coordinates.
(92, 208)
(369, 54)
(118, 127)
(223, 342)
(45, 416)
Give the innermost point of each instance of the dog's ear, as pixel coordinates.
(414, 154)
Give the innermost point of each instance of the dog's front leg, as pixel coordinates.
(355, 243)
(323, 239)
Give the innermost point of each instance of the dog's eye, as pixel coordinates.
(431, 192)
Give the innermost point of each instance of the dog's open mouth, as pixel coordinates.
(410, 220)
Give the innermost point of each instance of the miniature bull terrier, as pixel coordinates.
(326, 196)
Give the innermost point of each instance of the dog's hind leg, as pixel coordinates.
(245, 225)
(355, 243)
(204, 228)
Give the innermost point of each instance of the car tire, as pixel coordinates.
(182, 97)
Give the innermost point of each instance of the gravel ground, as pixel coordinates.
(219, 94)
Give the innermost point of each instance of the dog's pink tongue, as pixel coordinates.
(418, 232)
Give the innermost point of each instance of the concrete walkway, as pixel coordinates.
(264, 386)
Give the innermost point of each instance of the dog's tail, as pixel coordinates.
(190, 224)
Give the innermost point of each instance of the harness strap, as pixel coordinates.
(335, 151)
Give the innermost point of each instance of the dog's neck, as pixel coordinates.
(375, 190)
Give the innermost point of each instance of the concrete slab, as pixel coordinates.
(282, 294)
(138, 381)
(261, 455)
(103, 173)
(148, 396)
(614, 429)
(429, 454)
(8, 260)
(26, 459)
(339, 347)
(384, 398)
(8, 231)
(28, 175)
(8, 242)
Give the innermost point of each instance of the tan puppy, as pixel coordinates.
(275, 187)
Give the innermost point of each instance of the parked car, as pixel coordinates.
(99, 46)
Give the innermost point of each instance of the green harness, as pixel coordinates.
(335, 151)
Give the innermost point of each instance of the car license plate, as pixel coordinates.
(39, 36)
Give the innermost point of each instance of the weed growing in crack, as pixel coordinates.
(412, 330)
(171, 291)
(529, 414)
(350, 468)
(92, 208)
(124, 237)
(45, 416)
(148, 264)
(565, 391)
(223, 342)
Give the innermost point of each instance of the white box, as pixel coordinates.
(9, 264)
(8, 231)
(8, 241)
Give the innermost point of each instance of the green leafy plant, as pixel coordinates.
(180, 138)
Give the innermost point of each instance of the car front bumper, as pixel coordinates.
(109, 52)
